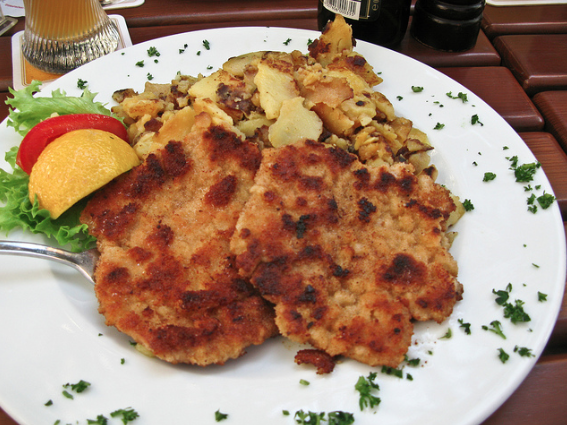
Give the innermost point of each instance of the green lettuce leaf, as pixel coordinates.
(16, 210)
(26, 110)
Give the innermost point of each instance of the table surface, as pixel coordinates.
(518, 66)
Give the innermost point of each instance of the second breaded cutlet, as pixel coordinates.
(349, 255)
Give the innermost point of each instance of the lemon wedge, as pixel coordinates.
(75, 165)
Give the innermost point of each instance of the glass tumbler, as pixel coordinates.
(61, 35)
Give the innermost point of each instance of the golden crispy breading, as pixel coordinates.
(348, 254)
(166, 276)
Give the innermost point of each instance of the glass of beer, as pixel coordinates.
(61, 35)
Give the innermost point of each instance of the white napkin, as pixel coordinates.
(14, 8)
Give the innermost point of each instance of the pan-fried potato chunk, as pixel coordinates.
(276, 83)
(295, 123)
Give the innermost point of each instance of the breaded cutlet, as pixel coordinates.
(348, 254)
(166, 276)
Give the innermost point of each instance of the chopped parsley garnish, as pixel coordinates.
(100, 420)
(466, 326)
(365, 387)
(513, 160)
(79, 387)
(475, 120)
(530, 201)
(516, 312)
(461, 95)
(413, 362)
(503, 295)
(388, 370)
(488, 176)
(140, 64)
(128, 415)
(309, 42)
(206, 44)
(220, 416)
(416, 89)
(468, 205)
(448, 334)
(122, 361)
(438, 126)
(496, 327)
(524, 173)
(524, 351)
(333, 418)
(48, 403)
(82, 84)
(304, 382)
(541, 297)
(287, 41)
(150, 76)
(503, 355)
(340, 418)
(399, 97)
(67, 394)
(152, 51)
(285, 412)
(409, 377)
(545, 200)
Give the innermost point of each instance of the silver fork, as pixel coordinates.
(84, 261)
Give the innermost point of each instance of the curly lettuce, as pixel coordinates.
(26, 110)
(16, 210)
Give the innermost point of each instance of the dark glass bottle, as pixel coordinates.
(382, 22)
(448, 25)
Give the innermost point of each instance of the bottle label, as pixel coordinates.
(354, 9)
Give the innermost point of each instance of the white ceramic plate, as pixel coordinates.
(51, 333)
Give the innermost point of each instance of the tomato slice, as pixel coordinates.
(50, 129)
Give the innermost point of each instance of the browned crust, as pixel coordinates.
(166, 276)
(349, 255)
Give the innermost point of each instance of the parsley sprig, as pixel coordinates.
(496, 327)
(503, 355)
(465, 326)
(219, 416)
(461, 95)
(515, 312)
(365, 387)
(126, 415)
(524, 351)
(333, 418)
